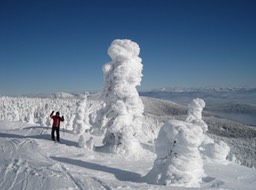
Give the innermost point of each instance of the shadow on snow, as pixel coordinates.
(40, 136)
(121, 175)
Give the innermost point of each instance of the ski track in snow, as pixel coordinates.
(20, 166)
(30, 159)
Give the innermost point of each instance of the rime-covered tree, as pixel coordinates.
(81, 121)
(195, 109)
(121, 115)
(179, 161)
(216, 150)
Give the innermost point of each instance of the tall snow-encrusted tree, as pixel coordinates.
(121, 115)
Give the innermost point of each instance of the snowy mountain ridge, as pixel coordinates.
(238, 104)
(203, 89)
(210, 95)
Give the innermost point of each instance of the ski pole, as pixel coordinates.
(63, 130)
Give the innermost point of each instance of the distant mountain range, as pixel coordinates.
(211, 96)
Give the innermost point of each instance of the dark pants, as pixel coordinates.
(57, 129)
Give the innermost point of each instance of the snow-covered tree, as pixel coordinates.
(179, 161)
(81, 120)
(120, 118)
(194, 116)
(216, 150)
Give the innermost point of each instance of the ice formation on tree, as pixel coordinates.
(194, 116)
(121, 116)
(81, 120)
(216, 150)
(36, 110)
(179, 161)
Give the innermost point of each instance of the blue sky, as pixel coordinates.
(61, 45)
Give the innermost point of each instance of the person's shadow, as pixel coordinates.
(40, 136)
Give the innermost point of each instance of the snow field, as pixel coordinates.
(29, 159)
(182, 160)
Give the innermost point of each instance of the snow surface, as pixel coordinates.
(30, 159)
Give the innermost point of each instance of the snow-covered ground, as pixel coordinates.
(120, 140)
(30, 159)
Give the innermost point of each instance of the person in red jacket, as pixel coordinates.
(56, 125)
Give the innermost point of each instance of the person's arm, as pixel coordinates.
(62, 118)
(51, 114)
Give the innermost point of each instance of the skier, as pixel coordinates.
(56, 125)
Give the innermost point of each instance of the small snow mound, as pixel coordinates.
(90, 144)
(83, 143)
(218, 150)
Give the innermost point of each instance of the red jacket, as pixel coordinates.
(56, 120)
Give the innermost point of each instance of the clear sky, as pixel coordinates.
(61, 45)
